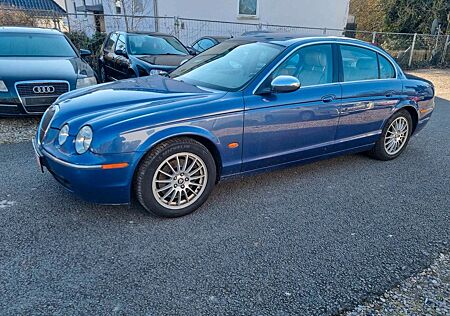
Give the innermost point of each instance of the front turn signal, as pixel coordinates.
(115, 165)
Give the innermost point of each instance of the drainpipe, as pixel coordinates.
(155, 14)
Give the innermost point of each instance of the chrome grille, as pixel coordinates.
(36, 96)
(45, 122)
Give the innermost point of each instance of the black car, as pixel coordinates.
(36, 67)
(207, 42)
(128, 55)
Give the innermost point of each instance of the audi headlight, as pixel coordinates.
(3, 87)
(158, 72)
(86, 82)
(63, 134)
(83, 140)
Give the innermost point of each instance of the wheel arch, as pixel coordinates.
(204, 137)
(412, 110)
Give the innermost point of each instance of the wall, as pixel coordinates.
(310, 13)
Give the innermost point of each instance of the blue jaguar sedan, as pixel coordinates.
(248, 104)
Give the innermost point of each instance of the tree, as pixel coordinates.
(369, 14)
(415, 16)
(13, 17)
(400, 16)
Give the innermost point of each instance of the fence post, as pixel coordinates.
(374, 37)
(325, 31)
(444, 54)
(412, 50)
(176, 24)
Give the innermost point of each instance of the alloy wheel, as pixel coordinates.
(396, 135)
(180, 180)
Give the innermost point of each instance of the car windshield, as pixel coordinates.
(35, 45)
(228, 66)
(155, 45)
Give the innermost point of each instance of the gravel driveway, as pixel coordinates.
(318, 239)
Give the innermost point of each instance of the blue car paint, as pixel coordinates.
(130, 117)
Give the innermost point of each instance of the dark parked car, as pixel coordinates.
(207, 42)
(36, 67)
(129, 55)
(248, 104)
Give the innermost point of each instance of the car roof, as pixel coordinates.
(28, 30)
(145, 33)
(220, 37)
(289, 39)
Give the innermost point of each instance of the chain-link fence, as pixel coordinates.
(410, 50)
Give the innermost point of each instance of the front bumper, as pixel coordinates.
(90, 182)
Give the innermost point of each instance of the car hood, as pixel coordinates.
(127, 100)
(164, 60)
(42, 68)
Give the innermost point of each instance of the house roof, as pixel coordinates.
(40, 5)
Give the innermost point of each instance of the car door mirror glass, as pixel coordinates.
(85, 52)
(285, 84)
(121, 52)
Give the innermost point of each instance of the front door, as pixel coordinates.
(285, 127)
(108, 56)
(121, 61)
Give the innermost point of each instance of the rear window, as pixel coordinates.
(387, 71)
(35, 45)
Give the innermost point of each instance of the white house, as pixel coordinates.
(190, 19)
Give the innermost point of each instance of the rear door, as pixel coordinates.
(370, 89)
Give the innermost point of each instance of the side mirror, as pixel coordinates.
(192, 51)
(121, 52)
(285, 84)
(85, 52)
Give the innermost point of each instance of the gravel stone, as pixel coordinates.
(427, 293)
(17, 130)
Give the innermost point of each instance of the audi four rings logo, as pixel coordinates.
(43, 89)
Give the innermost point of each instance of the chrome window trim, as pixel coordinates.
(37, 81)
(387, 56)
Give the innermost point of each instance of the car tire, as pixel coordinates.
(175, 178)
(394, 137)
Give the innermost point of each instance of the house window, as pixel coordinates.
(248, 8)
(118, 5)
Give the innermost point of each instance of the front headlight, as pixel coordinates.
(3, 87)
(86, 82)
(83, 140)
(63, 134)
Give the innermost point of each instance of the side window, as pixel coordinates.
(203, 45)
(110, 42)
(312, 65)
(359, 63)
(121, 45)
(206, 44)
(387, 71)
(196, 46)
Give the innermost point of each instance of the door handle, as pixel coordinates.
(389, 94)
(328, 98)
